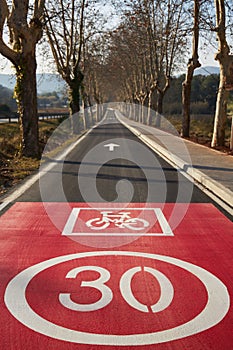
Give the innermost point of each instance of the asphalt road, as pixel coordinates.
(143, 175)
(114, 249)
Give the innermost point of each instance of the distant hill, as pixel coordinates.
(52, 82)
(49, 82)
(6, 98)
(45, 82)
(207, 70)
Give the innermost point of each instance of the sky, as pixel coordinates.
(6, 66)
(206, 59)
(206, 55)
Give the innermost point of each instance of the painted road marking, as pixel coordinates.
(3, 205)
(167, 291)
(216, 308)
(120, 222)
(171, 291)
(111, 146)
(121, 219)
(99, 284)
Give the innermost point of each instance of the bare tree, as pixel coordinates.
(193, 63)
(24, 28)
(166, 39)
(231, 137)
(69, 24)
(154, 39)
(129, 59)
(64, 28)
(96, 79)
(226, 75)
(124, 62)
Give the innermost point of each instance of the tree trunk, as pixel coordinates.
(159, 108)
(74, 106)
(224, 59)
(75, 96)
(149, 116)
(186, 96)
(192, 65)
(139, 112)
(75, 101)
(26, 97)
(231, 137)
(136, 111)
(85, 119)
(131, 111)
(142, 110)
(86, 109)
(23, 36)
(218, 138)
(91, 117)
(98, 112)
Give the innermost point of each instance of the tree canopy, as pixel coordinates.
(135, 57)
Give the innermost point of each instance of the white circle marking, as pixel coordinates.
(215, 310)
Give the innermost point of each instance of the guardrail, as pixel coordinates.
(12, 117)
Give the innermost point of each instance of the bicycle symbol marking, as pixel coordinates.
(121, 220)
(86, 222)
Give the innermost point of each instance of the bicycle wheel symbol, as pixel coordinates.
(135, 224)
(121, 220)
(97, 224)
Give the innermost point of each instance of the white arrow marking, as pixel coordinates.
(111, 146)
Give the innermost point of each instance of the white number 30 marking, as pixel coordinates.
(106, 292)
(166, 290)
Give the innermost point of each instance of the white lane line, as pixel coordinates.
(3, 205)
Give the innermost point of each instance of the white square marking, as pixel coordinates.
(121, 219)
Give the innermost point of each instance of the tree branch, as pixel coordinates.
(10, 54)
(56, 49)
(4, 12)
(80, 36)
(39, 8)
(18, 22)
(4, 49)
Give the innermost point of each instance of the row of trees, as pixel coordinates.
(204, 91)
(203, 96)
(160, 33)
(133, 62)
(71, 27)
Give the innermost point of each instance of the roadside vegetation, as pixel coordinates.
(202, 109)
(14, 168)
(201, 127)
(51, 101)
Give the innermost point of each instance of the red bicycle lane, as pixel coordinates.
(155, 290)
